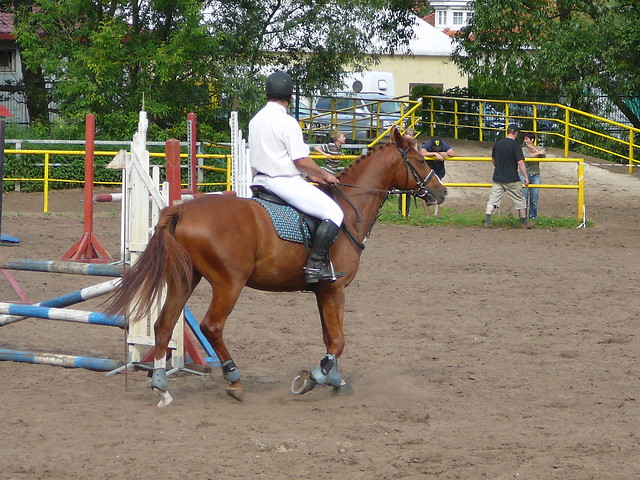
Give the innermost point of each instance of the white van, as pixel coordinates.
(370, 82)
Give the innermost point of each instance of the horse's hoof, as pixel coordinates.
(235, 391)
(165, 397)
(343, 389)
(303, 383)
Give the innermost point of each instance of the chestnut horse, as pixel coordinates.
(232, 243)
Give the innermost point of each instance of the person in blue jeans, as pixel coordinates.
(532, 195)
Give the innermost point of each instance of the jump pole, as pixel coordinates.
(57, 266)
(68, 299)
(191, 150)
(60, 360)
(88, 248)
(63, 314)
(174, 178)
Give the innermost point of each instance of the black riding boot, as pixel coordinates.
(316, 270)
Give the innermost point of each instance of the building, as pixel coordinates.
(450, 15)
(426, 61)
(11, 71)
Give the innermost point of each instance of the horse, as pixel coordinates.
(232, 243)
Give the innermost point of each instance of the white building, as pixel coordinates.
(426, 61)
(451, 14)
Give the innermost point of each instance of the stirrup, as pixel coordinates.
(315, 275)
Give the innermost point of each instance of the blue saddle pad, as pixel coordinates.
(287, 221)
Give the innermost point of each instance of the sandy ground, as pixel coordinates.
(473, 353)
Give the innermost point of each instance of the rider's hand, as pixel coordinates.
(327, 178)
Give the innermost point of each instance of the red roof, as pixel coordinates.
(450, 33)
(6, 26)
(430, 19)
(6, 22)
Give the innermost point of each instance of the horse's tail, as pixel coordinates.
(163, 262)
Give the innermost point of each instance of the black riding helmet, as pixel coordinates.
(279, 86)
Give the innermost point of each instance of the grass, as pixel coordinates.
(465, 218)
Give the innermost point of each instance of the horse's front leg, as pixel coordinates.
(331, 308)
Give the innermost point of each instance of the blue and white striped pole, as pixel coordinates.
(60, 360)
(64, 314)
(59, 266)
(69, 299)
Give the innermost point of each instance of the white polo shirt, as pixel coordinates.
(275, 140)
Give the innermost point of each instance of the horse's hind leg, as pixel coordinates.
(163, 329)
(212, 326)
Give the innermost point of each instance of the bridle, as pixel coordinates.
(420, 192)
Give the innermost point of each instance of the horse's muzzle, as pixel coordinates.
(431, 199)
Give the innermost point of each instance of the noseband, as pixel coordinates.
(421, 191)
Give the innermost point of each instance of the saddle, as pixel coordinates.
(290, 223)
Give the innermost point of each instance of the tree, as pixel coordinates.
(110, 57)
(573, 50)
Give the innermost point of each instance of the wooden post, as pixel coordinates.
(88, 248)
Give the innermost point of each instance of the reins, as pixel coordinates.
(421, 192)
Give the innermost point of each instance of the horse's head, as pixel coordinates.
(419, 177)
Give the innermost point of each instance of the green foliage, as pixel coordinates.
(444, 118)
(207, 56)
(573, 50)
(454, 216)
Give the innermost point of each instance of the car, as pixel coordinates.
(300, 108)
(492, 118)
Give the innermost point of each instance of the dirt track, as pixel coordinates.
(473, 353)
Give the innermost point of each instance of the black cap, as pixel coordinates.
(279, 86)
(514, 127)
(436, 144)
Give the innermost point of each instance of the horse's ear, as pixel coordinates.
(396, 137)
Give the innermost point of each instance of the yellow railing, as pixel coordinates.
(360, 119)
(47, 166)
(484, 119)
(47, 179)
(579, 185)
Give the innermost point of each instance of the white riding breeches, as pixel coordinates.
(299, 193)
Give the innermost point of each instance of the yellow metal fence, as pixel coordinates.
(360, 119)
(48, 178)
(558, 125)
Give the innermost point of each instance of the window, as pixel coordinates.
(442, 17)
(458, 18)
(6, 61)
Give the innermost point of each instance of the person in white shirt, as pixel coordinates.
(280, 162)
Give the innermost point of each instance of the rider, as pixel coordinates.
(280, 162)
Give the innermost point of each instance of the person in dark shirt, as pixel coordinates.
(435, 151)
(508, 159)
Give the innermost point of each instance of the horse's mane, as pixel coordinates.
(362, 157)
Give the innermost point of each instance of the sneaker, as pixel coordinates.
(528, 225)
(488, 225)
(437, 216)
